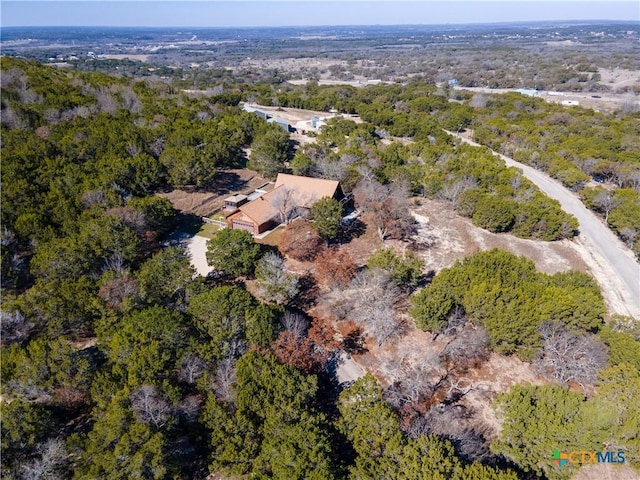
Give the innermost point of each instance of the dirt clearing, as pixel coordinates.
(455, 237)
(619, 77)
(204, 203)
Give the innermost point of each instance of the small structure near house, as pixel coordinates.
(292, 195)
(268, 117)
(570, 103)
(261, 114)
(280, 121)
(233, 202)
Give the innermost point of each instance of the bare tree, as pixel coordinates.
(52, 115)
(369, 301)
(295, 323)
(273, 282)
(130, 217)
(326, 167)
(629, 235)
(605, 202)
(150, 407)
(478, 100)
(15, 327)
(416, 379)
(470, 437)
(106, 102)
(156, 147)
(387, 205)
(49, 465)
(189, 408)
(192, 368)
(285, 200)
(300, 240)
(452, 191)
(12, 120)
(334, 268)
(93, 197)
(116, 291)
(132, 149)
(115, 263)
(468, 349)
(569, 357)
(130, 100)
(225, 379)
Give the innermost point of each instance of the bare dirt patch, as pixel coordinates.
(363, 246)
(618, 77)
(205, 203)
(606, 471)
(456, 237)
(496, 376)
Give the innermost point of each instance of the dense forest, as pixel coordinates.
(118, 361)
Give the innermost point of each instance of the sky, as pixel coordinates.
(246, 13)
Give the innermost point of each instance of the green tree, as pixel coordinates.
(299, 450)
(274, 431)
(536, 420)
(372, 428)
(158, 212)
(494, 214)
(326, 215)
(623, 348)
(510, 299)
(619, 394)
(164, 278)
(145, 346)
(228, 314)
(118, 447)
(47, 367)
(301, 164)
(24, 425)
(269, 151)
(405, 271)
(233, 252)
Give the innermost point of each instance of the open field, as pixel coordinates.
(619, 77)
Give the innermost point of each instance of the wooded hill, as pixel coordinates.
(118, 363)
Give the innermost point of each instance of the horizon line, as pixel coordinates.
(507, 22)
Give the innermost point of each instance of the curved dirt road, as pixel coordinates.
(611, 262)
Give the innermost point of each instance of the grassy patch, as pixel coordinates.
(208, 230)
(272, 239)
(222, 215)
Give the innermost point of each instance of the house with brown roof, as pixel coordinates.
(291, 197)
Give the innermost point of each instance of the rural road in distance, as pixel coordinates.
(602, 250)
